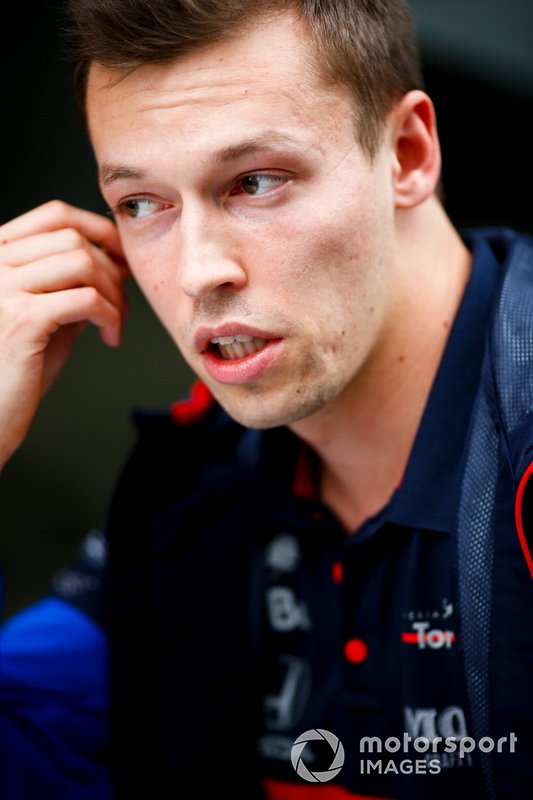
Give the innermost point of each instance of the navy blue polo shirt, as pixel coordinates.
(360, 632)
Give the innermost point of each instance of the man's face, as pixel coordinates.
(251, 219)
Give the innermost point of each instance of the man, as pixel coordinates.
(282, 549)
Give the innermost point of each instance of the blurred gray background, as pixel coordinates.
(478, 59)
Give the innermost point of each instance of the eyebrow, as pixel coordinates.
(110, 173)
(270, 140)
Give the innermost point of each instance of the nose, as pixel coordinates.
(209, 257)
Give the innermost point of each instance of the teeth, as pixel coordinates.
(232, 348)
(239, 350)
(241, 337)
(251, 347)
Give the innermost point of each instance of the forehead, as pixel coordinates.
(265, 77)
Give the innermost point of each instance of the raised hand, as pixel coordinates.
(60, 268)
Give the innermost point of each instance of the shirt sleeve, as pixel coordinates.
(53, 705)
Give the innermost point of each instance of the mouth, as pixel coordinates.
(233, 348)
(235, 355)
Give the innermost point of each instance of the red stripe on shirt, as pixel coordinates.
(281, 790)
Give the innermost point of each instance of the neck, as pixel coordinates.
(365, 436)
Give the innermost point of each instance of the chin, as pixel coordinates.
(253, 419)
(262, 413)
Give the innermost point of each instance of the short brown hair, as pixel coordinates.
(368, 46)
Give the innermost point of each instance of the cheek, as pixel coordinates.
(334, 233)
(341, 288)
(322, 262)
(156, 283)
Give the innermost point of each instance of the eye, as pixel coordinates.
(257, 184)
(137, 207)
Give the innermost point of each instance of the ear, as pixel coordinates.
(416, 149)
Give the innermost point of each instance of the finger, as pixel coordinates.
(70, 270)
(37, 248)
(57, 309)
(34, 248)
(55, 215)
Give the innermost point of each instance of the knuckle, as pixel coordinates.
(74, 238)
(92, 297)
(56, 208)
(56, 212)
(83, 262)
